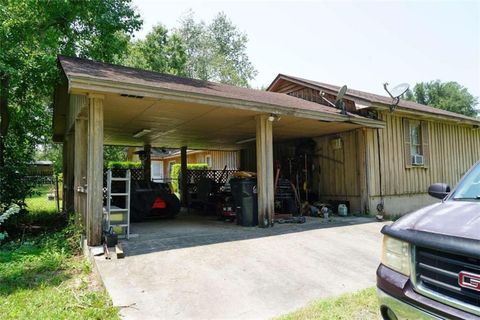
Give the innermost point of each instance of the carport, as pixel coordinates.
(97, 104)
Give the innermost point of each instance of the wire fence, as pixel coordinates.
(46, 195)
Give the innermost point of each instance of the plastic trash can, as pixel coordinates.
(245, 200)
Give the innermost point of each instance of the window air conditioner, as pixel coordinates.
(417, 160)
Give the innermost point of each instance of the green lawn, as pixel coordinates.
(39, 204)
(361, 305)
(44, 277)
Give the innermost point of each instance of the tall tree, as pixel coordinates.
(216, 51)
(159, 52)
(449, 96)
(32, 34)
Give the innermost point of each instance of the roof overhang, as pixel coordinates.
(83, 85)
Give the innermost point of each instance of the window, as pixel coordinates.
(415, 139)
(157, 170)
(208, 160)
(416, 143)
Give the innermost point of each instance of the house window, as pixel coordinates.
(157, 170)
(415, 139)
(416, 143)
(208, 160)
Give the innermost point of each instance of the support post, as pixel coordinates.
(68, 147)
(147, 164)
(183, 176)
(362, 169)
(95, 170)
(81, 146)
(265, 192)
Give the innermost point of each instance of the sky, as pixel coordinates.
(358, 43)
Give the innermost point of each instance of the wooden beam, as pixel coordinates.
(95, 170)
(183, 176)
(265, 194)
(68, 146)
(80, 163)
(147, 164)
(362, 169)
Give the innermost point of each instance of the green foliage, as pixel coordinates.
(216, 51)
(32, 34)
(124, 165)
(41, 278)
(114, 153)
(359, 305)
(159, 52)
(176, 172)
(449, 96)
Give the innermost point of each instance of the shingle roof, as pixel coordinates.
(375, 98)
(103, 71)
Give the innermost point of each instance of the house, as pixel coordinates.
(162, 160)
(390, 168)
(368, 156)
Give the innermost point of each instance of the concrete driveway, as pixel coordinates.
(204, 269)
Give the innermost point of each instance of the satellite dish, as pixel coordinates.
(340, 94)
(338, 100)
(396, 93)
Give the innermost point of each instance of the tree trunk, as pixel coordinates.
(4, 116)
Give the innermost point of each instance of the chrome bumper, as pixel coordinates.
(403, 310)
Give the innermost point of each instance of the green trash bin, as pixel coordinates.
(245, 199)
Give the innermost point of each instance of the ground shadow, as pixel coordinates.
(194, 230)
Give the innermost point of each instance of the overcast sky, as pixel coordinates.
(360, 44)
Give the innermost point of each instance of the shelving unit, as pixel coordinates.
(116, 216)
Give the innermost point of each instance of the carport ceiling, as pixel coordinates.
(198, 126)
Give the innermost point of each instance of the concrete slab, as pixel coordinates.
(191, 268)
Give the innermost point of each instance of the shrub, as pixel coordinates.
(176, 172)
(124, 165)
(4, 216)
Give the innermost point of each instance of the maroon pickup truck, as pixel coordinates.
(430, 265)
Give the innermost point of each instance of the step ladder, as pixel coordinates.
(116, 216)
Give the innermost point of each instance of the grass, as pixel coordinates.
(360, 305)
(39, 204)
(43, 276)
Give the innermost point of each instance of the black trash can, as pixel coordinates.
(245, 200)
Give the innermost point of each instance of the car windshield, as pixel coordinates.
(469, 187)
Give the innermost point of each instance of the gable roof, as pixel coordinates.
(372, 98)
(103, 76)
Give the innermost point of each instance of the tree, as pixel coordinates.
(449, 96)
(159, 52)
(217, 51)
(32, 34)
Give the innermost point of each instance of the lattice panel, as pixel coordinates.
(194, 176)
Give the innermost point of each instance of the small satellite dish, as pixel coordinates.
(396, 93)
(338, 100)
(341, 94)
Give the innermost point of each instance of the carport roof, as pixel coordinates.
(84, 73)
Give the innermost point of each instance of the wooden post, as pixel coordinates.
(68, 146)
(264, 146)
(95, 170)
(147, 164)
(183, 176)
(81, 147)
(362, 169)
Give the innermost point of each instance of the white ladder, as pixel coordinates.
(116, 216)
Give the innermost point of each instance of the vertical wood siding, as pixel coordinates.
(339, 171)
(453, 150)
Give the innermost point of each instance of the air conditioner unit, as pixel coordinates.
(417, 160)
